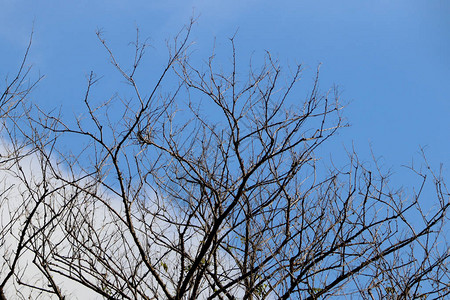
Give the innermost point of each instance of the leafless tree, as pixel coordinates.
(24, 189)
(208, 185)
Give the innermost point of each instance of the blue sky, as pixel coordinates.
(390, 59)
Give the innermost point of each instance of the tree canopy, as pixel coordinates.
(206, 184)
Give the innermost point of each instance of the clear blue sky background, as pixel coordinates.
(391, 59)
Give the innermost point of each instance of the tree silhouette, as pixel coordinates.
(207, 186)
